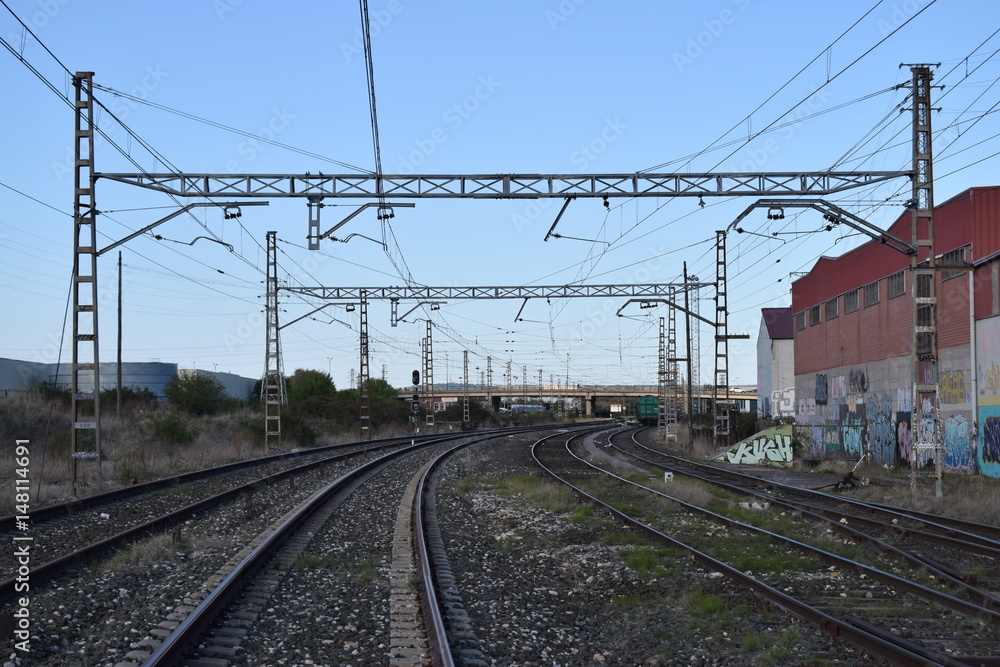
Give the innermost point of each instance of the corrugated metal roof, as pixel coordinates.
(780, 322)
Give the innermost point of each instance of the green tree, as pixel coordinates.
(198, 394)
(305, 385)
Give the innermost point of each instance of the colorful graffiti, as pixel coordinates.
(822, 392)
(958, 454)
(991, 440)
(904, 435)
(807, 407)
(953, 387)
(853, 438)
(991, 378)
(770, 447)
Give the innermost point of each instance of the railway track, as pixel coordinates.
(423, 617)
(76, 531)
(889, 616)
(127, 606)
(959, 554)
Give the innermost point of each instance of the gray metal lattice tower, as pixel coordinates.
(524, 385)
(926, 385)
(85, 434)
(465, 392)
(695, 337)
(489, 381)
(540, 391)
(672, 381)
(429, 373)
(508, 377)
(661, 382)
(720, 394)
(364, 379)
(272, 385)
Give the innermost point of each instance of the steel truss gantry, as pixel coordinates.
(503, 186)
(423, 293)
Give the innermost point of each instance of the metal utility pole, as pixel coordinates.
(541, 400)
(429, 373)
(272, 385)
(568, 389)
(364, 381)
(690, 358)
(85, 436)
(926, 385)
(119, 364)
(524, 385)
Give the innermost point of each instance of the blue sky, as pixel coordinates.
(571, 87)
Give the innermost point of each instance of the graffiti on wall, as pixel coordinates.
(881, 437)
(904, 435)
(958, 453)
(807, 407)
(783, 401)
(903, 400)
(991, 440)
(822, 391)
(858, 381)
(838, 387)
(991, 377)
(853, 438)
(776, 449)
(953, 387)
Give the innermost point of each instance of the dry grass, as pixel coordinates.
(970, 497)
(134, 448)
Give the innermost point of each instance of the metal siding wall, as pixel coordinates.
(986, 227)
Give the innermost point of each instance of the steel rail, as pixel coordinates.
(926, 518)
(173, 647)
(69, 507)
(980, 597)
(54, 566)
(897, 650)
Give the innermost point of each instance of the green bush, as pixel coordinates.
(198, 394)
(171, 428)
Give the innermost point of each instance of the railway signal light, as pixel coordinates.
(416, 377)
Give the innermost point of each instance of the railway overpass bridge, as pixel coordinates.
(587, 396)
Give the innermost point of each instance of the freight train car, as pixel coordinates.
(648, 410)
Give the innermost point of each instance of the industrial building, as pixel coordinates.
(17, 375)
(854, 364)
(776, 363)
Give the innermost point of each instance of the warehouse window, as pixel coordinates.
(800, 321)
(851, 301)
(871, 294)
(951, 259)
(897, 285)
(831, 309)
(814, 316)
